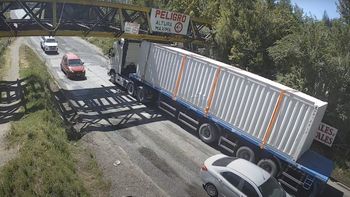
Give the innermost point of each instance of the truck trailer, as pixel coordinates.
(248, 116)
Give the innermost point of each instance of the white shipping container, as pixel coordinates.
(245, 101)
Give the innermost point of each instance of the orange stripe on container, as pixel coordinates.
(179, 77)
(212, 90)
(273, 119)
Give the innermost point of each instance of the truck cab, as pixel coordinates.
(124, 56)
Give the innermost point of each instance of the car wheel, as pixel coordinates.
(269, 165)
(208, 133)
(246, 153)
(211, 190)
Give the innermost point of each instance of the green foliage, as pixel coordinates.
(4, 42)
(151, 3)
(344, 10)
(315, 59)
(255, 27)
(104, 43)
(38, 80)
(342, 174)
(3, 45)
(44, 166)
(245, 29)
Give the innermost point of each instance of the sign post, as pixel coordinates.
(169, 22)
(132, 28)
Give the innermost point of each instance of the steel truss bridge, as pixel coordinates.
(89, 18)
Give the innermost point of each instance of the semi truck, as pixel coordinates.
(244, 114)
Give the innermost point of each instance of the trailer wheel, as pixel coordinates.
(208, 133)
(269, 165)
(130, 88)
(246, 153)
(140, 94)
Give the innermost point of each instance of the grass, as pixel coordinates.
(104, 43)
(341, 171)
(342, 175)
(89, 171)
(4, 56)
(47, 163)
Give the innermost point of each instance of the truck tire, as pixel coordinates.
(208, 133)
(130, 88)
(269, 165)
(246, 153)
(140, 94)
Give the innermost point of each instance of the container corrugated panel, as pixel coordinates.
(241, 99)
(161, 69)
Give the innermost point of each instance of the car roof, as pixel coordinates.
(245, 168)
(251, 171)
(72, 56)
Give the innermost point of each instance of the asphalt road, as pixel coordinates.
(140, 151)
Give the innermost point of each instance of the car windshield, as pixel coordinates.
(74, 62)
(271, 188)
(51, 40)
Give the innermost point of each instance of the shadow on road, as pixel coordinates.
(102, 109)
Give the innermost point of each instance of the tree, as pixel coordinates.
(249, 28)
(344, 10)
(315, 59)
(245, 29)
(326, 19)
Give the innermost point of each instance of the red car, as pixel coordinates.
(72, 66)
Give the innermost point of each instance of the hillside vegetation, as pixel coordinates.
(4, 60)
(47, 163)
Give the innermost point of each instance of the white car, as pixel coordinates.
(49, 44)
(235, 177)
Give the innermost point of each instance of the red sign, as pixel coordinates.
(169, 22)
